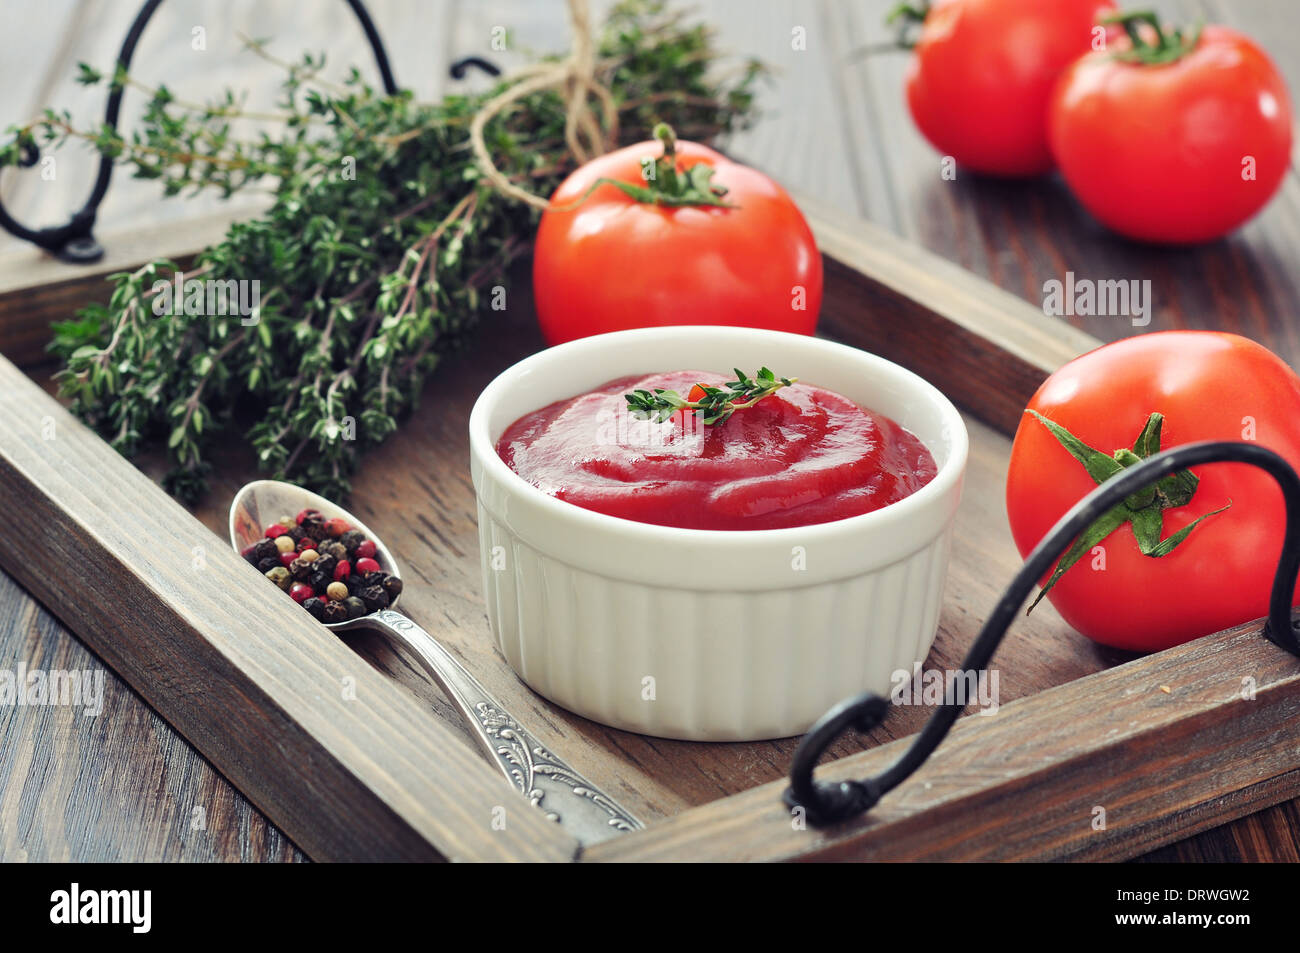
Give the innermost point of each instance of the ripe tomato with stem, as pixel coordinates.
(632, 240)
(1172, 136)
(1196, 553)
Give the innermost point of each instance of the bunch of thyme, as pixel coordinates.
(384, 244)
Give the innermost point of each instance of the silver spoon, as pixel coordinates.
(548, 782)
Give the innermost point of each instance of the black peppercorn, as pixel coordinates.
(325, 563)
(335, 549)
(300, 570)
(266, 549)
(374, 578)
(351, 540)
(295, 534)
(374, 597)
(334, 612)
(393, 586)
(313, 526)
(269, 563)
(315, 606)
(356, 608)
(354, 584)
(319, 580)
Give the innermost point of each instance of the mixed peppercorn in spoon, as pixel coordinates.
(325, 565)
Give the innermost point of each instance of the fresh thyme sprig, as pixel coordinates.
(717, 404)
(383, 246)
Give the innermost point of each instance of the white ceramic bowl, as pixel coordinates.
(611, 619)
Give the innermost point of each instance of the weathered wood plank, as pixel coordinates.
(107, 779)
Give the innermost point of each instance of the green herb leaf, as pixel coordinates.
(1143, 510)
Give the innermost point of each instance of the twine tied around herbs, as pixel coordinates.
(583, 132)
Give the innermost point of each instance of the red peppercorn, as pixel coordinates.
(367, 565)
(306, 543)
(366, 549)
(274, 530)
(287, 558)
(300, 591)
(337, 527)
(342, 570)
(303, 514)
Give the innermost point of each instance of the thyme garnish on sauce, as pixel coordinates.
(716, 403)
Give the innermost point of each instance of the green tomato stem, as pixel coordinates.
(1143, 510)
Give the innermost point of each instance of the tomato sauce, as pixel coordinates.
(800, 456)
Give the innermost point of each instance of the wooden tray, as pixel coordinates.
(1165, 745)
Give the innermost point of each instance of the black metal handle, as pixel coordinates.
(827, 803)
(75, 241)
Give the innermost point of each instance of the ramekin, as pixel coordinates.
(711, 635)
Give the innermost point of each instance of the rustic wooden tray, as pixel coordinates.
(1165, 744)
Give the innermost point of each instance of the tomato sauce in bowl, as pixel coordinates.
(801, 456)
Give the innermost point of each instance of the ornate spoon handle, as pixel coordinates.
(548, 782)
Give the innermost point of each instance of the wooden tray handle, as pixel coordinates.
(828, 803)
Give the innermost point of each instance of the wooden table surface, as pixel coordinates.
(123, 785)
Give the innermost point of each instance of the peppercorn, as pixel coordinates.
(316, 606)
(267, 564)
(351, 540)
(274, 530)
(366, 549)
(335, 549)
(374, 578)
(336, 591)
(305, 544)
(299, 569)
(295, 534)
(354, 583)
(325, 563)
(314, 526)
(374, 597)
(334, 612)
(250, 553)
(284, 544)
(300, 592)
(265, 548)
(393, 586)
(280, 576)
(356, 608)
(365, 565)
(286, 559)
(343, 569)
(336, 527)
(309, 511)
(318, 581)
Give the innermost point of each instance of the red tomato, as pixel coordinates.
(1181, 152)
(982, 75)
(609, 262)
(1209, 386)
